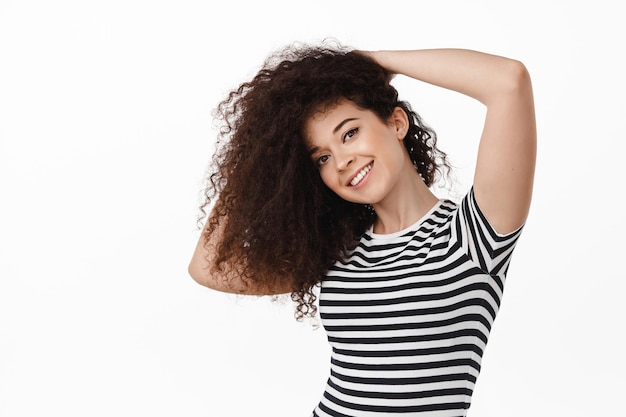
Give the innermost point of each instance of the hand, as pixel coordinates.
(375, 55)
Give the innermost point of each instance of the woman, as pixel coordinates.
(324, 179)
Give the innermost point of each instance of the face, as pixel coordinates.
(359, 156)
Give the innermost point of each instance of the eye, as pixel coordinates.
(350, 134)
(322, 160)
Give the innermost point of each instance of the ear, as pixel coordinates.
(400, 121)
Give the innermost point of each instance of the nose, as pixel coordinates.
(344, 161)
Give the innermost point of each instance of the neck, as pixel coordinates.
(408, 202)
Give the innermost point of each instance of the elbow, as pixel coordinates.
(197, 273)
(512, 83)
(517, 78)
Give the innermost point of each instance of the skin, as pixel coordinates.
(346, 139)
(504, 174)
(505, 166)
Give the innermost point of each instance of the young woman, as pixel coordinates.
(322, 178)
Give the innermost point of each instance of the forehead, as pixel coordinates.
(330, 109)
(324, 121)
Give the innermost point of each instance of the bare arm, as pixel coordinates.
(230, 278)
(505, 166)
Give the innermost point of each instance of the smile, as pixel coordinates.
(360, 175)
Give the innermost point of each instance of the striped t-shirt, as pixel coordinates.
(408, 315)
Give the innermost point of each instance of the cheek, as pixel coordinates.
(331, 181)
(326, 177)
(398, 152)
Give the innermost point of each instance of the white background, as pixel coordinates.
(105, 135)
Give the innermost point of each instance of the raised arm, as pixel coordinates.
(229, 278)
(505, 166)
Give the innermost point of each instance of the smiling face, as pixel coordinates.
(360, 157)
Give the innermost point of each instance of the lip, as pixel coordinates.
(356, 172)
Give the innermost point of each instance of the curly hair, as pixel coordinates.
(281, 225)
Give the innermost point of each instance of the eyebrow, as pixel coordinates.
(340, 125)
(314, 149)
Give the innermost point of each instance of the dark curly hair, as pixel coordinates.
(282, 226)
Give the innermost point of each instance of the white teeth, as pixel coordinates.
(357, 179)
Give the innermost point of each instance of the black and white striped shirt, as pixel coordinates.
(408, 315)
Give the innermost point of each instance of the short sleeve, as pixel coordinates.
(490, 250)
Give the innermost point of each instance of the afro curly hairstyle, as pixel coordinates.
(280, 226)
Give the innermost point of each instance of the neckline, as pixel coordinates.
(370, 230)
